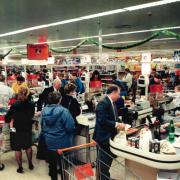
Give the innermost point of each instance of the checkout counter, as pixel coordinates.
(145, 164)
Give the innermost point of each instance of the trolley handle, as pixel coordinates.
(91, 144)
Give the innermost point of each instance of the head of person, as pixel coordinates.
(57, 84)
(127, 71)
(177, 89)
(70, 89)
(22, 94)
(2, 78)
(113, 92)
(95, 75)
(54, 98)
(74, 76)
(20, 80)
(153, 72)
(60, 76)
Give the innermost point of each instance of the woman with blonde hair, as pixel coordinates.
(22, 113)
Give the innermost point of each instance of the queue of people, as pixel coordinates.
(59, 108)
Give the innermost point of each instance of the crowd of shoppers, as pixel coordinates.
(59, 109)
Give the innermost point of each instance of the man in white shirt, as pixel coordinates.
(128, 78)
(5, 92)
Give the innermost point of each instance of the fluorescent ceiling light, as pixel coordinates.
(151, 4)
(106, 13)
(96, 36)
(141, 31)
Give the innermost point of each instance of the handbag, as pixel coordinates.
(42, 148)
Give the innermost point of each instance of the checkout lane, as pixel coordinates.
(140, 162)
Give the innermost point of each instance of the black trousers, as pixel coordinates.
(105, 159)
(54, 160)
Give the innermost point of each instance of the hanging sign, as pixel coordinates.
(37, 51)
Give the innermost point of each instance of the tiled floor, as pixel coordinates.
(9, 173)
(40, 171)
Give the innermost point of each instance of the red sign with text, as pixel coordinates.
(37, 51)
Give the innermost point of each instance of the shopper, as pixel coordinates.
(22, 112)
(43, 98)
(128, 78)
(156, 79)
(122, 85)
(20, 82)
(79, 84)
(95, 76)
(6, 93)
(70, 102)
(58, 130)
(106, 128)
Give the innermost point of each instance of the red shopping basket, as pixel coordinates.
(83, 171)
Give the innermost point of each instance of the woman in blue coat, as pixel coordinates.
(58, 130)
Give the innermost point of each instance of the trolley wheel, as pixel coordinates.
(2, 166)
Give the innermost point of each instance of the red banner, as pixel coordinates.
(37, 51)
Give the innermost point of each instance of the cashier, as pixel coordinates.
(106, 127)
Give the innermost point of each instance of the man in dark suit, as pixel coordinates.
(106, 128)
(43, 98)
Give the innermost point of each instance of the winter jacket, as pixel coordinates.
(57, 127)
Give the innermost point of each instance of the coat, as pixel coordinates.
(22, 113)
(105, 122)
(43, 98)
(57, 127)
(72, 105)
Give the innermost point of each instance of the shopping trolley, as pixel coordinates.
(82, 163)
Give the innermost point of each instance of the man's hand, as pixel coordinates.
(120, 126)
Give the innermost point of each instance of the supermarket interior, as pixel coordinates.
(90, 90)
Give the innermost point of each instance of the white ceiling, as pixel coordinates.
(19, 14)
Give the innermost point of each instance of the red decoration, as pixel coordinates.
(118, 50)
(37, 51)
(75, 51)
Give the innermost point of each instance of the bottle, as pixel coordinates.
(171, 131)
(157, 133)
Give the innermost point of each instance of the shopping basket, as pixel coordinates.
(82, 163)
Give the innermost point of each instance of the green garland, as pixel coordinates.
(69, 50)
(19, 52)
(153, 36)
(3, 56)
